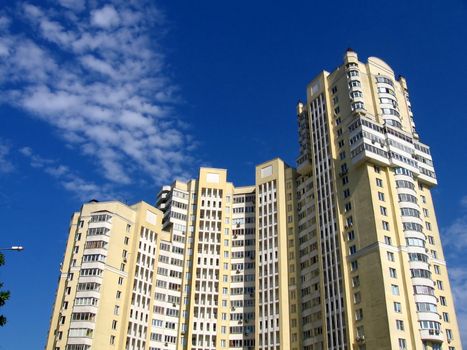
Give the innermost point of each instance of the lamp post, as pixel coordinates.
(17, 248)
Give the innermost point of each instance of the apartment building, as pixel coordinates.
(107, 295)
(341, 252)
(367, 227)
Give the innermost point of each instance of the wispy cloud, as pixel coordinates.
(455, 242)
(5, 164)
(458, 277)
(97, 73)
(82, 189)
(455, 235)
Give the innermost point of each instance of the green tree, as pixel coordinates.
(4, 295)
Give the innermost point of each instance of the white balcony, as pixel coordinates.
(105, 224)
(431, 335)
(421, 281)
(428, 316)
(79, 340)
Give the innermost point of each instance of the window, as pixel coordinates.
(381, 196)
(358, 314)
(445, 317)
(400, 325)
(410, 212)
(404, 197)
(346, 193)
(387, 240)
(426, 307)
(120, 280)
(390, 256)
(397, 307)
(352, 249)
(425, 212)
(112, 339)
(405, 184)
(422, 273)
(428, 226)
(395, 289)
(116, 310)
(439, 284)
(386, 225)
(436, 268)
(392, 272)
(114, 324)
(402, 344)
(377, 169)
(355, 281)
(351, 235)
(431, 240)
(357, 298)
(383, 211)
(379, 182)
(354, 265)
(360, 331)
(415, 242)
(449, 334)
(442, 300)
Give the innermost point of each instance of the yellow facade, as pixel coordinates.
(384, 282)
(104, 281)
(342, 252)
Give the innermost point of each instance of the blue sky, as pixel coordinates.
(113, 99)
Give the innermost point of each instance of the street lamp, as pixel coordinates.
(17, 248)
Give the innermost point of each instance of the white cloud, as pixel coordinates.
(98, 65)
(105, 17)
(99, 77)
(458, 277)
(32, 11)
(455, 235)
(455, 241)
(5, 164)
(69, 180)
(4, 22)
(76, 5)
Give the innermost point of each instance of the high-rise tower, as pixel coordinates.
(372, 237)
